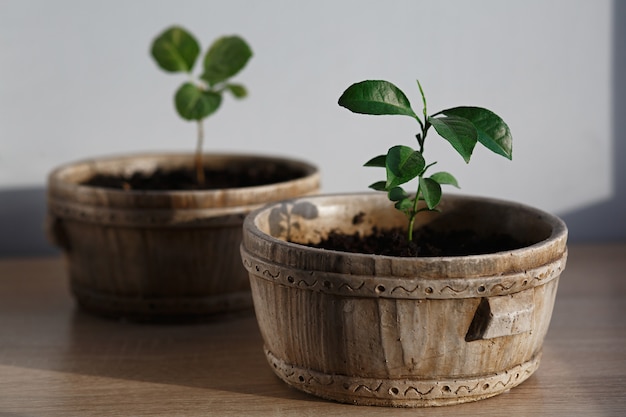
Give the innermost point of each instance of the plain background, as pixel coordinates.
(77, 81)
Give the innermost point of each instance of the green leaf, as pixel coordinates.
(459, 131)
(405, 205)
(445, 178)
(193, 103)
(403, 164)
(379, 186)
(377, 161)
(226, 57)
(431, 191)
(376, 97)
(175, 50)
(237, 90)
(397, 194)
(493, 133)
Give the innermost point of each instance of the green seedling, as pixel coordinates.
(462, 127)
(176, 50)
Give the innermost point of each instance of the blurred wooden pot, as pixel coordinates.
(405, 332)
(154, 255)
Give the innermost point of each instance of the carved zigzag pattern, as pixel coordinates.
(403, 389)
(336, 283)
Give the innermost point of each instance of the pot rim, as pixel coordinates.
(548, 250)
(60, 188)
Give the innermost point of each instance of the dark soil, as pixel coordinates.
(426, 242)
(185, 179)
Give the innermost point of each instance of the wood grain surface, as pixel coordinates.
(162, 255)
(58, 361)
(401, 331)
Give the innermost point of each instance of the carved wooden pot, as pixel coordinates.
(160, 255)
(404, 332)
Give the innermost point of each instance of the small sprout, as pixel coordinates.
(176, 50)
(462, 127)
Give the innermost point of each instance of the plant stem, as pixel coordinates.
(199, 163)
(420, 139)
(413, 214)
(425, 112)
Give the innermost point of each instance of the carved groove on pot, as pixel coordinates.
(401, 392)
(402, 288)
(216, 217)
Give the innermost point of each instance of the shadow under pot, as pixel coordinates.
(398, 331)
(151, 254)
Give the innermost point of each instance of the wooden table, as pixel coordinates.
(58, 361)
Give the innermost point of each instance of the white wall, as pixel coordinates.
(76, 80)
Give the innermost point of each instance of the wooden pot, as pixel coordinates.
(160, 255)
(405, 332)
